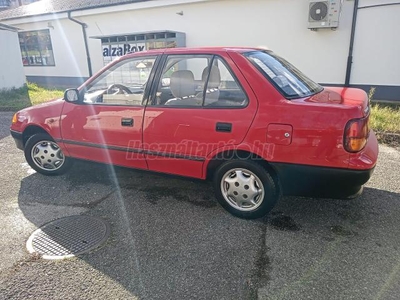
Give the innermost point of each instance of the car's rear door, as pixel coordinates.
(200, 102)
(107, 125)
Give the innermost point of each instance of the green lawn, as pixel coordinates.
(32, 94)
(39, 95)
(385, 118)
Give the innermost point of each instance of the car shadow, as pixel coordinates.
(169, 237)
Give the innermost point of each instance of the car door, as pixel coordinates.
(106, 126)
(200, 103)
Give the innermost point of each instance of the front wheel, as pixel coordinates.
(245, 189)
(44, 155)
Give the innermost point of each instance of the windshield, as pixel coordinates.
(289, 80)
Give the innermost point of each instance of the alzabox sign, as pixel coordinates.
(122, 49)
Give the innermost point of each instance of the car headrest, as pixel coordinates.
(215, 77)
(182, 84)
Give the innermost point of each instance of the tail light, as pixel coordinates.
(356, 134)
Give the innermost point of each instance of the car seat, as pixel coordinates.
(214, 81)
(183, 88)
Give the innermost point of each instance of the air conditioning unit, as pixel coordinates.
(324, 14)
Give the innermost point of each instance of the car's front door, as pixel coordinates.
(106, 126)
(200, 103)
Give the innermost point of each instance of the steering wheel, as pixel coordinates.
(116, 88)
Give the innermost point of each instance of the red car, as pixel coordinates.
(243, 117)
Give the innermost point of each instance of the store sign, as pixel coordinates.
(122, 49)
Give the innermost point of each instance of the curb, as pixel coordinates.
(388, 138)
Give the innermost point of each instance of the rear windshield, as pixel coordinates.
(286, 78)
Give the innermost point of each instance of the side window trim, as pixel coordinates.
(146, 91)
(151, 80)
(210, 65)
(157, 78)
(213, 57)
(228, 67)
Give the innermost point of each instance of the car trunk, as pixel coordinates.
(343, 96)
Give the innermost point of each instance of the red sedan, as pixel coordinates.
(243, 117)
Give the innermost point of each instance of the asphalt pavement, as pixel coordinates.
(171, 240)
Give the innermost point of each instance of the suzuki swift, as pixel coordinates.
(244, 118)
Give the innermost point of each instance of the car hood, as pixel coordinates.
(48, 104)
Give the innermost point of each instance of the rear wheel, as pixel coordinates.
(44, 155)
(245, 189)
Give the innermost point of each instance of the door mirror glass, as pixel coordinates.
(71, 95)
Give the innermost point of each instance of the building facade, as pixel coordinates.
(12, 74)
(64, 43)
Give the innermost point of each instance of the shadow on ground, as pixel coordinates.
(171, 240)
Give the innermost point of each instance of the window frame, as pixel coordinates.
(277, 87)
(159, 73)
(23, 47)
(116, 64)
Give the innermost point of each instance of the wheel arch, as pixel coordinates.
(30, 131)
(212, 163)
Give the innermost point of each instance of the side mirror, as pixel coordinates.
(71, 95)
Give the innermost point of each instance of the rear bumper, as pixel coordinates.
(366, 158)
(17, 136)
(300, 180)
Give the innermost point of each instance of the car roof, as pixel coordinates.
(199, 50)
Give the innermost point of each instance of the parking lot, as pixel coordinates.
(171, 240)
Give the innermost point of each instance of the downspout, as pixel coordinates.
(84, 26)
(350, 57)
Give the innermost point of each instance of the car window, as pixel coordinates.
(182, 81)
(197, 81)
(223, 89)
(122, 84)
(288, 80)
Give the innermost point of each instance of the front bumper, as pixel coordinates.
(312, 181)
(19, 142)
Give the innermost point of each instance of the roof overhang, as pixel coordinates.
(8, 28)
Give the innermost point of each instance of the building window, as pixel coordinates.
(5, 4)
(36, 48)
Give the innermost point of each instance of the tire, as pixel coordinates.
(245, 189)
(44, 155)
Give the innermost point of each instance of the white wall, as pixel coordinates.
(377, 45)
(11, 70)
(280, 25)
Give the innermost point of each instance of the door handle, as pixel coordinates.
(223, 127)
(127, 122)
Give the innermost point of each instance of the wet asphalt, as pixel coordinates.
(171, 240)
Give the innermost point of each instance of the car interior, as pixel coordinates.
(184, 90)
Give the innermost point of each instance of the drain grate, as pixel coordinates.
(68, 237)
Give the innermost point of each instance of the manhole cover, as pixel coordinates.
(68, 237)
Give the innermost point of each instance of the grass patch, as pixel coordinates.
(39, 95)
(385, 118)
(31, 94)
(14, 99)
